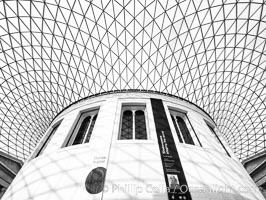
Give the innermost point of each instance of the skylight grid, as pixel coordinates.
(54, 53)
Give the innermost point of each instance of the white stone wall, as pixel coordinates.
(134, 168)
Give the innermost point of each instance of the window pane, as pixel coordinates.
(140, 125)
(176, 129)
(127, 125)
(184, 130)
(91, 128)
(82, 131)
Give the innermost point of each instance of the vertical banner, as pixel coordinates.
(176, 183)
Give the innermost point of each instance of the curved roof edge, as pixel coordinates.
(131, 91)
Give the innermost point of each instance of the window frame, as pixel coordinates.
(212, 129)
(183, 114)
(47, 138)
(133, 107)
(77, 124)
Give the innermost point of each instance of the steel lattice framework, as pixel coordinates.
(210, 52)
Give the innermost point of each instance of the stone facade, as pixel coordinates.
(110, 168)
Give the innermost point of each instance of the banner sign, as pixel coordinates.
(176, 183)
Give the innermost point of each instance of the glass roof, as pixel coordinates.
(210, 52)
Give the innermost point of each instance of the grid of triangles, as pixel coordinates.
(55, 52)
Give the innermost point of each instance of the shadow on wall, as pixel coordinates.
(217, 176)
(134, 172)
(61, 176)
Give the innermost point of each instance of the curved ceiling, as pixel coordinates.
(210, 52)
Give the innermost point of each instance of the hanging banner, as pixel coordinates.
(176, 183)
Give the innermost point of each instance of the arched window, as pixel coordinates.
(83, 130)
(184, 130)
(181, 123)
(176, 129)
(140, 125)
(127, 125)
(88, 136)
(133, 123)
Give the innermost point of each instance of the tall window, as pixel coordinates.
(83, 130)
(133, 123)
(181, 123)
(51, 134)
(217, 138)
